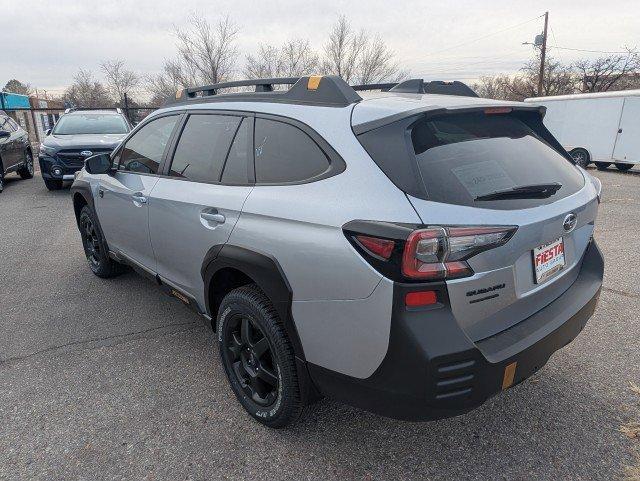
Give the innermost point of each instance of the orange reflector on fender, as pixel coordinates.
(509, 375)
(314, 82)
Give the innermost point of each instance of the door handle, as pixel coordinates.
(139, 198)
(210, 217)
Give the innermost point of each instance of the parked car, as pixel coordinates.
(76, 136)
(602, 128)
(15, 150)
(411, 254)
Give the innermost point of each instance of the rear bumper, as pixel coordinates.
(432, 370)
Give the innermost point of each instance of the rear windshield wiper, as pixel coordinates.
(534, 191)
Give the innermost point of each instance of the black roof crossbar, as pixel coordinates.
(329, 90)
(385, 87)
(419, 86)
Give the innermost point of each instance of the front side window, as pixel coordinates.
(284, 153)
(77, 124)
(203, 147)
(143, 152)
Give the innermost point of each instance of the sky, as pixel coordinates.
(48, 41)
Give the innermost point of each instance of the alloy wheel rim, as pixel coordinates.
(248, 352)
(91, 242)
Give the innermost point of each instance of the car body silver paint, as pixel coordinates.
(181, 237)
(359, 331)
(125, 223)
(511, 264)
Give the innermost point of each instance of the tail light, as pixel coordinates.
(402, 252)
(439, 253)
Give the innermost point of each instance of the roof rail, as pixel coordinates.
(385, 87)
(329, 90)
(419, 86)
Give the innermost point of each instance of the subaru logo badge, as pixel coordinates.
(570, 222)
(86, 153)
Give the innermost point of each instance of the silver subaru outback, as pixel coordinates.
(411, 253)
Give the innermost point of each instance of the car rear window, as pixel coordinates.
(457, 159)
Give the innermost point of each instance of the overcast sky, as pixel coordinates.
(46, 42)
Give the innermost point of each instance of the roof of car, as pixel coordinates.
(97, 111)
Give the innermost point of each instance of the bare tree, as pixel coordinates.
(17, 87)
(208, 51)
(558, 79)
(357, 57)
(606, 72)
(86, 91)
(174, 76)
(293, 59)
(119, 80)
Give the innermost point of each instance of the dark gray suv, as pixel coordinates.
(76, 136)
(15, 150)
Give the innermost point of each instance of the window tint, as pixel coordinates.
(461, 158)
(236, 167)
(285, 153)
(143, 152)
(203, 146)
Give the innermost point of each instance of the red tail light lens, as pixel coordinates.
(378, 247)
(439, 253)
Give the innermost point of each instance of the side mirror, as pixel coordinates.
(4, 134)
(47, 132)
(98, 164)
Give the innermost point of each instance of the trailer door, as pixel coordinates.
(627, 147)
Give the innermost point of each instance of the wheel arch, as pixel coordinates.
(227, 267)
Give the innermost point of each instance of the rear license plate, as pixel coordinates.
(548, 259)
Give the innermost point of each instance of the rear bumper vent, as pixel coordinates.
(454, 380)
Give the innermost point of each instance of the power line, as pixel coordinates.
(486, 36)
(585, 50)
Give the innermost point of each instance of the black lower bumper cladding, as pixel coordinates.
(432, 370)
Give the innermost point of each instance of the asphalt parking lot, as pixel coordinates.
(111, 379)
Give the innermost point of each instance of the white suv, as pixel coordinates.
(411, 253)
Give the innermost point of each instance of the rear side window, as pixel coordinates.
(284, 153)
(203, 147)
(458, 159)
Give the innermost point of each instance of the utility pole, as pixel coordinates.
(543, 53)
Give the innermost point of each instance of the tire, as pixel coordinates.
(26, 172)
(602, 165)
(53, 184)
(95, 248)
(1, 178)
(258, 358)
(624, 167)
(581, 157)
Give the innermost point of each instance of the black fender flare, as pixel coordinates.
(265, 271)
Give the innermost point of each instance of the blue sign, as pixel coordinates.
(14, 101)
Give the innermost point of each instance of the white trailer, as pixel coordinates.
(602, 127)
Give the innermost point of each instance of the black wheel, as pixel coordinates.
(258, 358)
(581, 157)
(26, 172)
(602, 165)
(53, 184)
(1, 177)
(95, 248)
(624, 167)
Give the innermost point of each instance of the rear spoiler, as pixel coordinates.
(432, 112)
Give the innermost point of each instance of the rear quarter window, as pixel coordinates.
(457, 158)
